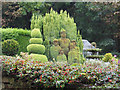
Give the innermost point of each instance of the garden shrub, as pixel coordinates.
(54, 22)
(38, 57)
(36, 22)
(20, 35)
(36, 41)
(107, 57)
(10, 47)
(35, 33)
(36, 48)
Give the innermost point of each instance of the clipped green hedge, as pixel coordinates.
(38, 57)
(36, 41)
(20, 35)
(35, 33)
(36, 48)
(23, 42)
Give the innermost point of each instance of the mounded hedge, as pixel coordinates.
(20, 35)
(35, 33)
(38, 57)
(36, 48)
(36, 41)
(10, 47)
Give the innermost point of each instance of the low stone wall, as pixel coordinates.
(10, 82)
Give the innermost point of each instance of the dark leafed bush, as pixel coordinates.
(10, 47)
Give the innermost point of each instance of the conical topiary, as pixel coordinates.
(35, 48)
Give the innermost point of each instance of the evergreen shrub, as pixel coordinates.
(10, 47)
(39, 57)
(36, 48)
(107, 57)
(36, 41)
(35, 33)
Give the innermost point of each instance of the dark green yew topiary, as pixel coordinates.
(10, 47)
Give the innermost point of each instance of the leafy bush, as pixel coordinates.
(92, 73)
(36, 41)
(36, 22)
(13, 33)
(35, 33)
(54, 22)
(20, 35)
(38, 57)
(10, 47)
(107, 57)
(36, 48)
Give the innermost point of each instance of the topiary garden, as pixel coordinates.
(50, 55)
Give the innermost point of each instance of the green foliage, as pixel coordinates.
(73, 57)
(36, 48)
(95, 56)
(35, 33)
(34, 7)
(94, 50)
(20, 35)
(10, 47)
(54, 22)
(107, 57)
(13, 33)
(36, 22)
(61, 58)
(80, 45)
(38, 57)
(36, 41)
(23, 42)
(47, 48)
(80, 42)
(54, 51)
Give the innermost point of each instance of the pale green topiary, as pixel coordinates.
(61, 58)
(35, 33)
(107, 57)
(73, 57)
(54, 22)
(36, 21)
(36, 41)
(38, 57)
(54, 51)
(36, 48)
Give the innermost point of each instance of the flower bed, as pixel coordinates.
(59, 75)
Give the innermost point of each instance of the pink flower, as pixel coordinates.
(115, 55)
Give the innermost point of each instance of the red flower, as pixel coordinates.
(69, 82)
(108, 78)
(41, 77)
(50, 78)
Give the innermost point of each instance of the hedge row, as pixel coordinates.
(20, 35)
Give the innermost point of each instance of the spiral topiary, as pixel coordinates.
(10, 47)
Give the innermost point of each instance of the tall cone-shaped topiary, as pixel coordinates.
(80, 45)
(36, 21)
(35, 48)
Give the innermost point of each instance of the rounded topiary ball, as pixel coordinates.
(35, 33)
(10, 47)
